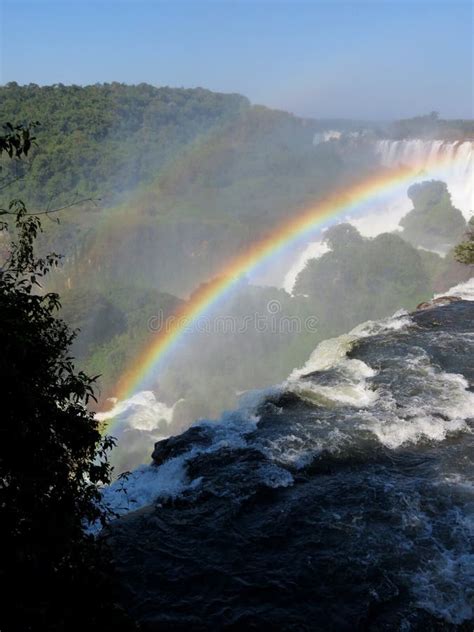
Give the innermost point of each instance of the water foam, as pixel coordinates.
(148, 483)
(142, 411)
(437, 406)
(353, 388)
(145, 484)
(462, 290)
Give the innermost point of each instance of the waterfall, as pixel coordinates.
(456, 159)
(457, 170)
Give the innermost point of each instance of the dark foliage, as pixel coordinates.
(464, 252)
(433, 222)
(363, 278)
(53, 457)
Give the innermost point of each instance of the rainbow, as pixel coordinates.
(310, 220)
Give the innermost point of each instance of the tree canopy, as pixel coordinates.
(53, 455)
(464, 252)
(433, 223)
(363, 278)
(105, 139)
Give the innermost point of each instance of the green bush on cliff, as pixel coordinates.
(464, 252)
(434, 222)
(361, 279)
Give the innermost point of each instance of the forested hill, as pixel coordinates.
(104, 139)
(187, 179)
(108, 139)
(188, 176)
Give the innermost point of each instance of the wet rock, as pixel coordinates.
(174, 446)
(435, 302)
(322, 518)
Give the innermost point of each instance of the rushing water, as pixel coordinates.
(457, 158)
(340, 500)
(380, 216)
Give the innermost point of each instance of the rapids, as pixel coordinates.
(342, 499)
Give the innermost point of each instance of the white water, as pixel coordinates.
(142, 420)
(457, 159)
(140, 412)
(393, 423)
(441, 409)
(353, 388)
(384, 214)
(148, 482)
(139, 422)
(324, 137)
(462, 290)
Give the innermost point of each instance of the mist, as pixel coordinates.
(136, 259)
(237, 315)
(174, 183)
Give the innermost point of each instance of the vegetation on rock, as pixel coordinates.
(464, 252)
(361, 279)
(433, 223)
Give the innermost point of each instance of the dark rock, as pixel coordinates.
(174, 446)
(337, 541)
(441, 300)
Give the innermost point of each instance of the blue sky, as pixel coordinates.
(377, 59)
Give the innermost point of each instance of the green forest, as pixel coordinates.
(103, 140)
(162, 186)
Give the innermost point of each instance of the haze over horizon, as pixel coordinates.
(360, 60)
